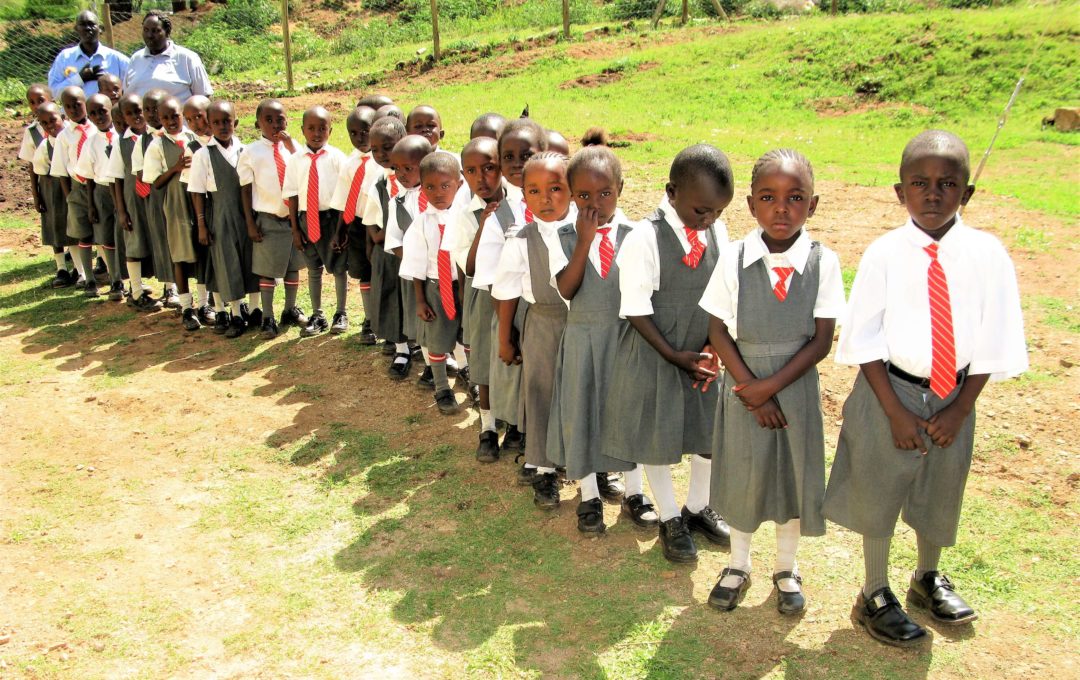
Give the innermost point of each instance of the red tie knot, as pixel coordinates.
(932, 250)
(314, 155)
(603, 231)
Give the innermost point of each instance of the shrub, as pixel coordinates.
(248, 15)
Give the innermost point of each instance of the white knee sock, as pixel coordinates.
(204, 295)
(663, 490)
(185, 300)
(135, 272)
(61, 261)
(460, 356)
(697, 497)
(254, 301)
(401, 347)
(589, 488)
(740, 557)
(487, 421)
(787, 543)
(235, 307)
(634, 481)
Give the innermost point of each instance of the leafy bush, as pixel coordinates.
(247, 15)
(763, 9)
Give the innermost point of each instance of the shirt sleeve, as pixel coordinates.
(721, 296)
(154, 162)
(557, 260)
(198, 180)
(41, 158)
(639, 271)
(27, 148)
(58, 80)
(200, 79)
(244, 170)
(862, 332)
(414, 253)
(342, 186)
(290, 186)
(512, 269)
(1000, 348)
(830, 302)
(373, 208)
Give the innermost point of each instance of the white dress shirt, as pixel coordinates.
(721, 297)
(115, 169)
(66, 156)
(888, 315)
(345, 177)
(460, 234)
(27, 148)
(513, 277)
(639, 259)
(94, 162)
(65, 68)
(492, 238)
(257, 168)
(154, 165)
(558, 260)
(395, 235)
(42, 161)
(202, 178)
(422, 243)
(373, 212)
(296, 175)
(177, 70)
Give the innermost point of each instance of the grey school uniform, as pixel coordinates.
(36, 135)
(576, 437)
(105, 227)
(176, 204)
(476, 319)
(321, 253)
(761, 475)
(231, 248)
(873, 482)
(155, 227)
(658, 415)
(136, 241)
(79, 226)
(386, 310)
(54, 222)
(544, 323)
(441, 335)
(409, 322)
(275, 255)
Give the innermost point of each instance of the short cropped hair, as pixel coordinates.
(598, 158)
(771, 160)
(702, 160)
(939, 143)
(439, 162)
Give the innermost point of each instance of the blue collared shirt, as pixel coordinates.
(177, 70)
(65, 68)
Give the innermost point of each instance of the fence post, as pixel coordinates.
(659, 13)
(288, 44)
(720, 10)
(566, 19)
(106, 20)
(685, 12)
(435, 26)
(832, 11)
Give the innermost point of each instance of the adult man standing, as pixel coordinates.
(82, 64)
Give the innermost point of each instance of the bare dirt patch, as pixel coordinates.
(849, 105)
(605, 77)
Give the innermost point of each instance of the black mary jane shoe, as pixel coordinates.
(447, 402)
(610, 486)
(590, 517)
(935, 593)
(488, 449)
(640, 511)
(676, 541)
(709, 524)
(885, 621)
(400, 367)
(546, 491)
(724, 598)
(788, 603)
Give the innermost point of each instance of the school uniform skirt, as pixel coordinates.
(231, 253)
(544, 326)
(320, 253)
(761, 475)
(477, 326)
(275, 255)
(409, 321)
(385, 312)
(441, 335)
(136, 240)
(54, 220)
(79, 226)
(505, 381)
(159, 240)
(179, 227)
(873, 483)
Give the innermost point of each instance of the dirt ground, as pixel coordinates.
(147, 429)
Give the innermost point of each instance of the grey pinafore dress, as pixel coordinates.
(155, 227)
(179, 225)
(38, 137)
(476, 320)
(54, 223)
(576, 435)
(136, 241)
(657, 415)
(231, 247)
(441, 335)
(544, 323)
(386, 310)
(761, 475)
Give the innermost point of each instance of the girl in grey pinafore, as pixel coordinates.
(476, 319)
(231, 247)
(758, 474)
(576, 435)
(386, 310)
(657, 414)
(136, 241)
(155, 226)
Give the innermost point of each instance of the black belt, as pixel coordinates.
(923, 382)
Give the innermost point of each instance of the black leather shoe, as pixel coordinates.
(590, 517)
(367, 336)
(526, 475)
(677, 542)
(400, 367)
(546, 491)
(191, 320)
(709, 524)
(611, 487)
(640, 511)
(885, 621)
(935, 593)
(488, 450)
(447, 402)
(788, 603)
(725, 598)
(388, 349)
(426, 379)
(513, 440)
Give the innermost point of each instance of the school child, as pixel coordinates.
(70, 144)
(167, 167)
(110, 86)
(162, 264)
(93, 167)
(261, 170)
(934, 315)
(660, 391)
(129, 198)
(585, 274)
(196, 117)
(221, 224)
(33, 135)
(386, 311)
(487, 125)
(425, 121)
(313, 171)
(375, 101)
(524, 272)
(427, 262)
(773, 300)
(48, 195)
(557, 143)
(405, 160)
(391, 110)
(358, 173)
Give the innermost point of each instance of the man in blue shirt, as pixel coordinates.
(82, 64)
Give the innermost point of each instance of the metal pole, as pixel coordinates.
(288, 44)
(435, 26)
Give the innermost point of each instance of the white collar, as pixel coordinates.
(670, 216)
(922, 239)
(618, 218)
(169, 51)
(213, 141)
(797, 254)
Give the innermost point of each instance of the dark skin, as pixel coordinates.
(405, 160)
(131, 109)
(358, 125)
(480, 165)
(195, 115)
(547, 194)
(392, 110)
(440, 188)
(425, 121)
(382, 146)
(699, 202)
(271, 121)
(515, 148)
(596, 194)
(98, 110)
(556, 142)
(36, 96)
(150, 103)
(316, 128)
(222, 121)
(172, 121)
(932, 188)
(155, 36)
(781, 201)
(52, 121)
(74, 102)
(109, 85)
(88, 28)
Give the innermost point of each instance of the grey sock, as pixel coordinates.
(266, 292)
(341, 289)
(929, 556)
(365, 298)
(314, 284)
(86, 257)
(291, 289)
(438, 371)
(112, 263)
(876, 563)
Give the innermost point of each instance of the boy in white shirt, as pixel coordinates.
(93, 165)
(69, 147)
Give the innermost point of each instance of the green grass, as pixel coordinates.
(1059, 314)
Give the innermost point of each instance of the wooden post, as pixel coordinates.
(288, 44)
(435, 26)
(685, 11)
(720, 10)
(832, 10)
(659, 13)
(106, 20)
(566, 19)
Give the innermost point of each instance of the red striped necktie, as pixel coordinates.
(354, 192)
(79, 147)
(446, 278)
(311, 206)
(697, 249)
(943, 345)
(528, 213)
(607, 251)
(780, 289)
(393, 186)
(279, 163)
(421, 203)
(142, 189)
